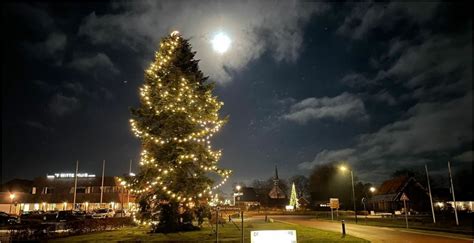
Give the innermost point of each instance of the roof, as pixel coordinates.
(392, 189)
(276, 193)
(393, 185)
(95, 181)
(248, 194)
(303, 201)
(20, 185)
(17, 185)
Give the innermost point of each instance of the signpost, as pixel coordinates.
(333, 204)
(217, 224)
(227, 208)
(363, 201)
(404, 198)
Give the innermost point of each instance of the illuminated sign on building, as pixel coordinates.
(70, 175)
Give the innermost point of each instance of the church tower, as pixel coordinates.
(276, 192)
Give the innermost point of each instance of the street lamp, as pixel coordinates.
(238, 193)
(372, 191)
(12, 196)
(343, 168)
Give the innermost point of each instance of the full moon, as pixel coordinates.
(221, 42)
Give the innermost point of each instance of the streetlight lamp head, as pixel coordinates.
(12, 196)
(238, 187)
(372, 189)
(343, 168)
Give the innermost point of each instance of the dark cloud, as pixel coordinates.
(342, 107)
(61, 105)
(356, 80)
(438, 61)
(98, 63)
(38, 125)
(50, 50)
(369, 16)
(385, 96)
(429, 129)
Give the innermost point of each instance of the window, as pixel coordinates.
(33, 190)
(80, 190)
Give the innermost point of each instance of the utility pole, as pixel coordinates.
(431, 197)
(353, 196)
(452, 192)
(102, 185)
(75, 186)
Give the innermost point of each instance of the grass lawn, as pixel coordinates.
(227, 233)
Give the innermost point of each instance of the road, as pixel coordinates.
(373, 233)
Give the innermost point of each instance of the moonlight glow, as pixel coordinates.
(221, 42)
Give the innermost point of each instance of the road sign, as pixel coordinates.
(334, 203)
(226, 208)
(404, 197)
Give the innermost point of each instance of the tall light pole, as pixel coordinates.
(343, 168)
(75, 186)
(452, 193)
(102, 184)
(12, 196)
(372, 190)
(431, 197)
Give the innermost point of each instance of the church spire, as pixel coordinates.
(276, 172)
(276, 192)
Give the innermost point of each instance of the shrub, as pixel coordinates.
(48, 230)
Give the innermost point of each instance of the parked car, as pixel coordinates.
(7, 219)
(32, 217)
(50, 216)
(69, 215)
(122, 213)
(103, 213)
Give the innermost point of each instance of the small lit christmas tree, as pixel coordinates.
(175, 121)
(293, 197)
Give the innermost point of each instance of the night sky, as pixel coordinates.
(381, 85)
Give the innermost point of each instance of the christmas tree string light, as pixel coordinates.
(176, 119)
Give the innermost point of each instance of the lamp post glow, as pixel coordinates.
(238, 193)
(343, 168)
(12, 196)
(372, 189)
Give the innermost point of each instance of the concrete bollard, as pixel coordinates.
(343, 228)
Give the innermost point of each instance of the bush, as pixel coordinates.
(43, 231)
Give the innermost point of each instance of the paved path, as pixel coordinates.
(373, 233)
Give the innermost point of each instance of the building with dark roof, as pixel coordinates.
(247, 198)
(389, 195)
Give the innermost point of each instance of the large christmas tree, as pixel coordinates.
(175, 121)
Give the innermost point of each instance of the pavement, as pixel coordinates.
(373, 233)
